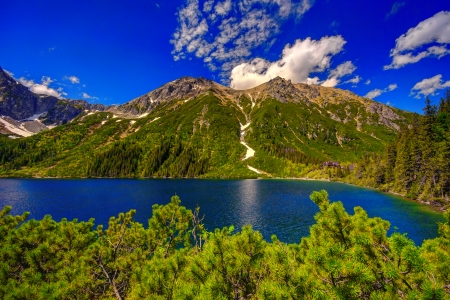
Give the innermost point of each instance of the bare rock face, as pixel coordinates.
(283, 91)
(308, 91)
(66, 110)
(17, 102)
(183, 88)
(14, 129)
(385, 113)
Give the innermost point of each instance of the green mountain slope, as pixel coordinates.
(198, 128)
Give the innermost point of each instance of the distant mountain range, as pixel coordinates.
(192, 127)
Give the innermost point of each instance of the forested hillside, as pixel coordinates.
(197, 128)
(175, 257)
(417, 162)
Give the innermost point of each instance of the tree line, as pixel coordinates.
(170, 157)
(277, 149)
(417, 162)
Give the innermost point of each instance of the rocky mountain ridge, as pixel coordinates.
(194, 127)
(24, 113)
(33, 113)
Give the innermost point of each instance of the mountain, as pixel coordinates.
(194, 127)
(24, 113)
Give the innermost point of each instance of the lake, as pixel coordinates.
(280, 207)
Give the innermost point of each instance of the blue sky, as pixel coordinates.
(113, 51)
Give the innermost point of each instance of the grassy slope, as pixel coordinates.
(208, 127)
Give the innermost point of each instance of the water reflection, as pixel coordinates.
(249, 204)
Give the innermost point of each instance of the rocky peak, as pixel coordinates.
(7, 82)
(18, 102)
(5, 78)
(283, 90)
(182, 88)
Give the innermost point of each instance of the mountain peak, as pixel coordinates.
(5, 78)
(280, 79)
(183, 88)
(280, 89)
(190, 80)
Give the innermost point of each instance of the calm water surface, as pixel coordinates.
(280, 207)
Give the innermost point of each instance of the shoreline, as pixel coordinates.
(438, 208)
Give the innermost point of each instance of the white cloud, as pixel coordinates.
(374, 93)
(367, 82)
(208, 5)
(87, 96)
(435, 30)
(354, 80)
(377, 92)
(297, 63)
(395, 8)
(223, 8)
(429, 86)
(72, 79)
(313, 81)
(9, 73)
(223, 40)
(303, 7)
(342, 70)
(61, 91)
(43, 87)
(392, 87)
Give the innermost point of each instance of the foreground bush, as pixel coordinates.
(345, 257)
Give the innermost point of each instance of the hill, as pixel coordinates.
(194, 127)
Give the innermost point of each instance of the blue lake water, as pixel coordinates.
(280, 207)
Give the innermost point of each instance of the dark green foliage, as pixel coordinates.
(417, 162)
(290, 153)
(121, 160)
(201, 138)
(344, 257)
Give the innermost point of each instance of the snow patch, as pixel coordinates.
(114, 116)
(241, 108)
(155, 119)
(34, 117)
(15, 129)
(104, 122)
(254, 170)
(250, 151)
(251, 99)
(244, 127)
(132, 122)
(143, 115)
